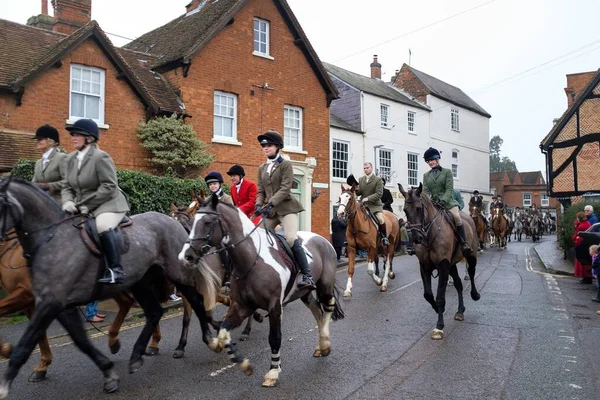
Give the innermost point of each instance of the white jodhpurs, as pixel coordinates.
(108, 220)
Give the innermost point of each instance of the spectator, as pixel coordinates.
(338, 234)
(386, 198)
(596, 269)
(403, 237)
(91, 313)
(581, 270)
(458, 197)
(590, 214)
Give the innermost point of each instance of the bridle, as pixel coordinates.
(424, 227)
(185, 222)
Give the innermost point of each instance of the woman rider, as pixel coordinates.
(275, 200)
(49, 170)
(438, 184)
(214, 180)
(91, 188)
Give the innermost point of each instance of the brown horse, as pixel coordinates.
(479, 225)
(500, 228)
(362, 233)
(437, 248)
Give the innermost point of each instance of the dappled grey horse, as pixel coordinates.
(65, 273)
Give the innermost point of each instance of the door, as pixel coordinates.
(297, 193)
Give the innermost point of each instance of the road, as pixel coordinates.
(531, 336)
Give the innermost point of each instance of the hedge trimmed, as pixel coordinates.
(144, 192)
(567, 226)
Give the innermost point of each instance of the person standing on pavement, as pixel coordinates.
(581, 271)
(386, 198)
(214, 180)
(403, 237)
(590, 214)
(596, 269)
(338, 234)
(243, 191)
(49, 171)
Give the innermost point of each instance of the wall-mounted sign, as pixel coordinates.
(320, 185)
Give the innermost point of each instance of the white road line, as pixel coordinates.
(405, 286)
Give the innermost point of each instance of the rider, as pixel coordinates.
(275, 201)
(370, 188)
(49, 170)
(533, 211)
(477, 201)
(438, 184)
(243, 191)
(214, 180)
(91, 188)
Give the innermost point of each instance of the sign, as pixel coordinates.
(320, 185)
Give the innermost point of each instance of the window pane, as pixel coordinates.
(92, 107)
(256, 24)
(86, 75)
(218, 126)
(76, 85)
(86, 87)
(96, 89)
(95, 76)
(76, 73)
(77, 105)
(228, 128)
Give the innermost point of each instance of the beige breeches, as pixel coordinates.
(456, 215)
(108, 220)
(289, 223)
(380, 218)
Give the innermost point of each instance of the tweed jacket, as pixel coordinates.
(225, 198)
(245, 199)
(276, 188)
(53, 174)
(440, 188)
(372, 190)
(457, 196)
(94, 184)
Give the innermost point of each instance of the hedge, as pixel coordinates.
(567, 228)
(144, 192)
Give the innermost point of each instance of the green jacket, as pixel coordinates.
(276, 188)
(53, 174)
(458, 197)
(441, 188)
(372, 190)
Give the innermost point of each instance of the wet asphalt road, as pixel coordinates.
(531, 336)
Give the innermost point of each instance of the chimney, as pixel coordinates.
(70, 15)
(576, 83)
(43, 21)
(192, 6)
(375, 68)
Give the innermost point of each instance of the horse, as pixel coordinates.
(510, 226)
(65, 274)
(480, 226)
(437, 248)
(362, 233)
(534, 228)
(263, 277)
(518, 228)
(500, 228)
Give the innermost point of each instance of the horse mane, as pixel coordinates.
(35, 190)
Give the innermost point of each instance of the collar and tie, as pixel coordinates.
(272, 162)
(80, 155)
(46, 157)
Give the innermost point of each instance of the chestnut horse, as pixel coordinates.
(362, 233)
(500, 228)
(479, 225)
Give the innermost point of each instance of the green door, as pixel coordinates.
(297, 193)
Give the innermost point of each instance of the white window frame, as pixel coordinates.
(257, 41)
(527, 203)
(384, 114)
(378, 168)
(287, 128)
(455, 163)
(454, 119)
(414, 161)
(411, 118)
(73, 118)
(219, 135)
(334, 168)
(545, 200)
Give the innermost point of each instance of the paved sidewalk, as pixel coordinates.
(552, 257)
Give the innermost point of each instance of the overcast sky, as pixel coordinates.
(477, 45)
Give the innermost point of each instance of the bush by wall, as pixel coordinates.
(566, 229)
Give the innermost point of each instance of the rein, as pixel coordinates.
(424, 227)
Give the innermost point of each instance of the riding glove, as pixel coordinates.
(84, 210)
(257, 209)
(69, 207)
(268, 211)
(364, 200)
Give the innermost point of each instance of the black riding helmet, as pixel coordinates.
(236, 170)
(85, 127)
(271, 137)
(431, 154)
(47, 132)
(213, 176)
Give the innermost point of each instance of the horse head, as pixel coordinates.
(347, 200)
(414, 208)
(474, 211)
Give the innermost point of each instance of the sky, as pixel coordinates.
(510, 56)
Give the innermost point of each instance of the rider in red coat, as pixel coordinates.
(243, 191)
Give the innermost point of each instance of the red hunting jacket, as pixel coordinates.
(246, 198)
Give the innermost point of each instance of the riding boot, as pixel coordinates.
(111, 247)
(464, 246)
(306, 282)
(384, 239)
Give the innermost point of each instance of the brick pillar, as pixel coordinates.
(70, 15)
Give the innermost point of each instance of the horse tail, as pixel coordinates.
(338, 313)
(208, 284)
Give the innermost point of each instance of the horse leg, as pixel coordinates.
(196, 301)
(187, 316)
(272, 376)
(19, 299)
(471, 264)
(427, 292)
(351, 262)
(371, 258)
(377, 264)
(387, 265)
(459, 316)
(39, 372)
(440, 299)
(234, 318)
(153, 348)
(144, 294)
(323, 344)
(125, 301)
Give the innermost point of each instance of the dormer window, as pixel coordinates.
(261, 38)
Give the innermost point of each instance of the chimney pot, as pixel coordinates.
(375, 68)
(44, 7)
(70, 15)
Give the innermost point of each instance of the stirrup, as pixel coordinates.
(306, 283)
(112, 278)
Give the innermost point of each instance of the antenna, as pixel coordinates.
(409, 56)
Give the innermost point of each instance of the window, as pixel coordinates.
(526, 199)
(225, 116)
(413, 169)
(385, 112)
(384, 164)
(455, 163)
(411, 122)
(292, 127)
(545, 200)
(87, 93)
(261, 37)
(340, 158)
(454, 119)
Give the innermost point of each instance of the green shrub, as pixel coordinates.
(566, 228)
(23, 169)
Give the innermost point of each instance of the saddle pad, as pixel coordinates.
(285, 251)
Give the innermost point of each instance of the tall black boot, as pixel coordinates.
(111, 247)
(302, 263)
(382, 231)
(464, 246)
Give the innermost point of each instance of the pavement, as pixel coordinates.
(552, 257)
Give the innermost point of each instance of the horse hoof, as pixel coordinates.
(347, 293)
(269, 382)
(258, 318)
(178, 354)
(247, 367)
(459, 317)
(37, 376)
(392, 275)
(115, 347)
(6, 350)
(244, 337)
(370, 272)
(475, 296)
(111, 385)
(215, 345)
(450, 283)
(135, 366)
(151, 351)
(383, 289)
(271, 378)
(323, 353)
(466, 278)
(378, 282)
(437, 334)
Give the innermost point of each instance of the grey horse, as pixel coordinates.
(65, 272)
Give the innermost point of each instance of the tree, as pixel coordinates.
(497, 163)
(174, 146)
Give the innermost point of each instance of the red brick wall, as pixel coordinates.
(227, 64)
(513, 196)
(408, 82)
(576, 83)
(70, 15)
(46, 100)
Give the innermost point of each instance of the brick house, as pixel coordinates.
(193, 66)
(522, 189)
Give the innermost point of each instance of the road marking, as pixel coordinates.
(405, 286)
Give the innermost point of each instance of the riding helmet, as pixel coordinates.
(431, 154)
(475, 192)
(271, 137)
(236, 170)
(213, 176)
(47, 132)
(85, 127)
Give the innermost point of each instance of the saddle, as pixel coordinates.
(89, 234)
(285, 251)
